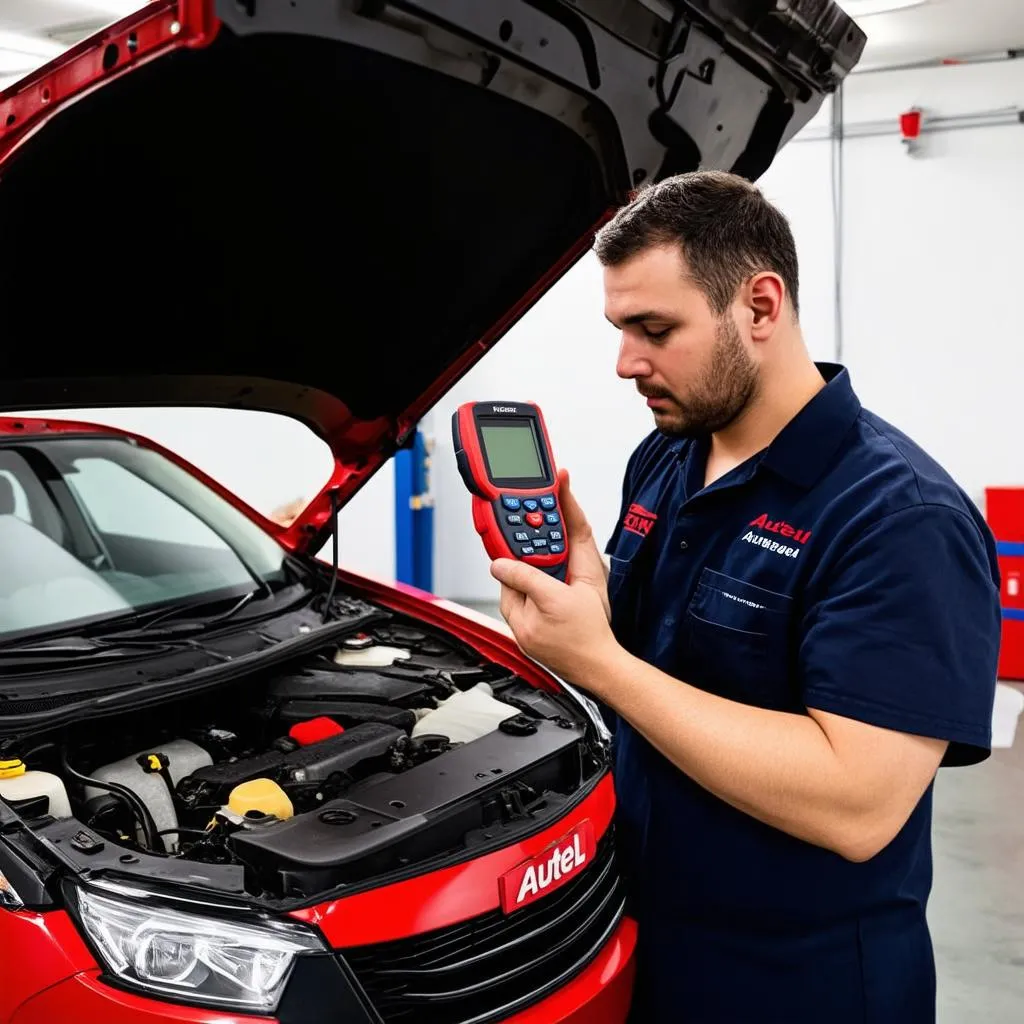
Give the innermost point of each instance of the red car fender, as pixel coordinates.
(84, 999)
(49, 950)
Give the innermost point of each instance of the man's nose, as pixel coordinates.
(631, 363)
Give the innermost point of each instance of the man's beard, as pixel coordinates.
(722, 391)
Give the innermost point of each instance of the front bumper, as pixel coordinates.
(54, 977)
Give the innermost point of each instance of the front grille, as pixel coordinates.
(487, 968)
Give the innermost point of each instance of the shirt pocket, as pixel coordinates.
(619, 573)
(621, 599)
(738, 641)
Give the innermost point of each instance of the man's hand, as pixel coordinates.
(563, 626)
(287, 514)
(585, 562)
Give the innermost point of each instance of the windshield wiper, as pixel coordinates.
(145, 631)
(195, 625)
(73, 648)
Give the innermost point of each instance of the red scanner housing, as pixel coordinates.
(504, 455)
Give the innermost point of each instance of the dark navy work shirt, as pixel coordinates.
(840, 569)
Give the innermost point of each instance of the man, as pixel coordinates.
(799, 625)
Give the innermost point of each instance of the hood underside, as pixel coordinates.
(333, 210)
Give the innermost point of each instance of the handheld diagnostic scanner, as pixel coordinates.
(505, 459)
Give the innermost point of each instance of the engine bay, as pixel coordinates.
(396, 747)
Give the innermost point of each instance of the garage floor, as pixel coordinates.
(977, 906)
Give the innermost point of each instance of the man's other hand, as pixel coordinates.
(287, 514)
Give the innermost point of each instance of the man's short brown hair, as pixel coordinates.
(725, 227)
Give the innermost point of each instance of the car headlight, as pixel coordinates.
(185, 956)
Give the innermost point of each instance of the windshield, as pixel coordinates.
(99, 527)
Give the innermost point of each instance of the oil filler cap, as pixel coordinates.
(314, 730)
(520, 725)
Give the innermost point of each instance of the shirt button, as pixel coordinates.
(683, 545)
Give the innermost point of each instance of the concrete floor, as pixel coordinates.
(977, 905)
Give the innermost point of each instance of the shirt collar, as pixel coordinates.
(803, 450)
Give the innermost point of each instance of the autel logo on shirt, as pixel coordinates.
(639, 520)
(549, 869)
(783, 529)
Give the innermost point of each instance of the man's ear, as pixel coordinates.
(766, 298)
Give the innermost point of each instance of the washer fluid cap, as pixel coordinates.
(12, 769)
(261, 795)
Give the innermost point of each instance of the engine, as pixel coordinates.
(396, 747)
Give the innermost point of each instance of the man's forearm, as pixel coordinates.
(779, 768)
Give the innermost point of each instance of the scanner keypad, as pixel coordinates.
(531, 526)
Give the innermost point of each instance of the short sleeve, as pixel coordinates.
(905, 631)
(628, 482)
(628, 478)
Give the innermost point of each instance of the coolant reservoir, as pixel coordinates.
(183, 758)
(466, 716)
(18, 783)
(377, 656)
(260, 796)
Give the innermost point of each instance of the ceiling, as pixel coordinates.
(942, 29)
(31, 31)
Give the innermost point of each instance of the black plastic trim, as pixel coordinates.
(198, 681)
(321, 990)
(481, 849)
(556, 11)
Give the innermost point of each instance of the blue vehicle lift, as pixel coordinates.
(414, 515)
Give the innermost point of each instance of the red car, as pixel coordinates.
(237, 783)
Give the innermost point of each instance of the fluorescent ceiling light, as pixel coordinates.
(865, 8)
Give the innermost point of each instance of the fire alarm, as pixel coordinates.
(910, 128)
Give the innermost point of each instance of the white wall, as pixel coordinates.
(933, 336)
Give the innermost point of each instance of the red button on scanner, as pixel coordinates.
(534, 519)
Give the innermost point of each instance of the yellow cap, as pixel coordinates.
(154, 763)
(264, 796)
(11, 769)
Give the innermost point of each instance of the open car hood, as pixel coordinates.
(332, 210)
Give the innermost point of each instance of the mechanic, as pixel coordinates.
(799, 625)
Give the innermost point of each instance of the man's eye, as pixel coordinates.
(657, 334)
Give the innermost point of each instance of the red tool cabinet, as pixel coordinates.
(1005, 514)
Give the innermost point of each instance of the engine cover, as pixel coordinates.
(339, 685)
(363, 746)
(382, 824)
